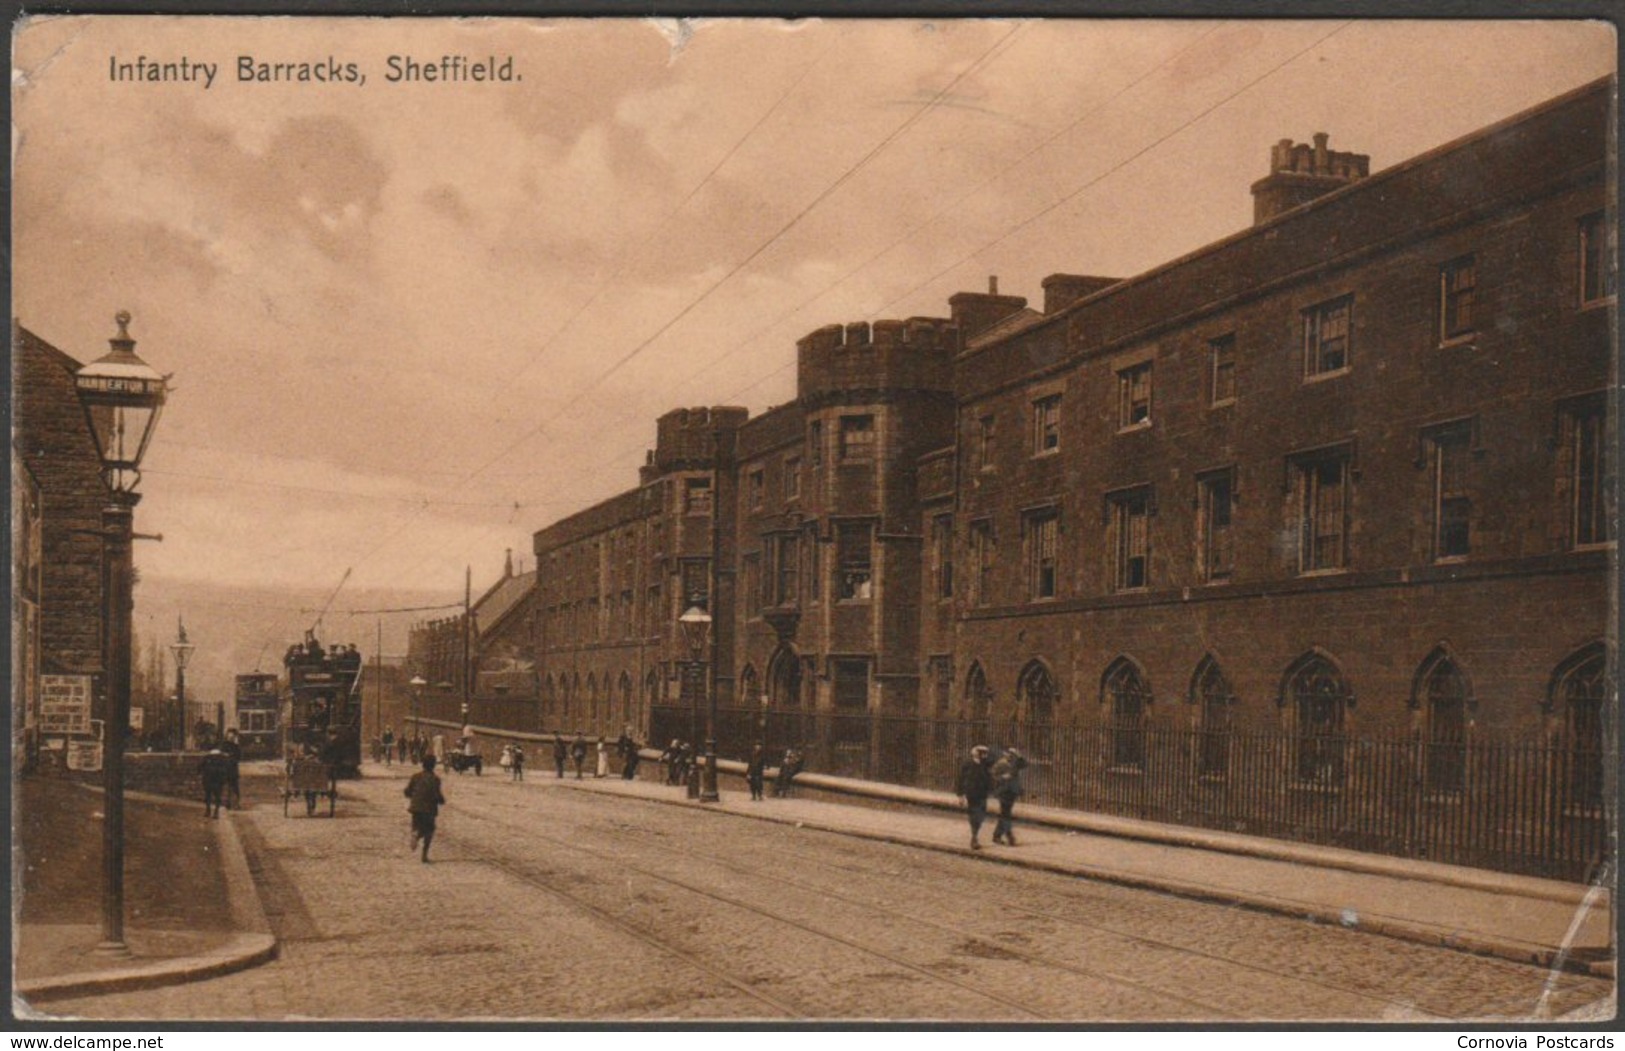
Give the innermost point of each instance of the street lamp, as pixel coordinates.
(418, 683)
(183, 654)
(123, 397)
(696, 625)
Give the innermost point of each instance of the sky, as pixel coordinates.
(411, 323)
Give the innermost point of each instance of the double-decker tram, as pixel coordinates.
(324, 710)
(259, 715)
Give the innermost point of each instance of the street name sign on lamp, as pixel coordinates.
(64, 705)
(84, 755)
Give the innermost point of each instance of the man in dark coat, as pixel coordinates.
(627, 749)
(561, 752)
(232, 749)
(578, 752)
(974, 785)
(213, 773)
(424, 800)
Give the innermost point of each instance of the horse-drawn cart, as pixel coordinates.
(312, 779)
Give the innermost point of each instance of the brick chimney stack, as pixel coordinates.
(1300, 172)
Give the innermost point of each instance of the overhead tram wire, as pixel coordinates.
(803, 304)
(614, 280)
(1114, 169)
(994, 50)
(1195, 118)
(940, 212)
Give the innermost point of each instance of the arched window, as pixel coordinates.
(1579, 693)
(1320, 699)
(978, 705)
(651, 689)
(749, 692)
(1212, 694)
(550, 697)
(1125, 689)
(572, 696)
(1441, 692)
(1036, 688)
(626, 698)
(591, 702)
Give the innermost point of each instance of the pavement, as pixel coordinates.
(191, 908)
(203, 918)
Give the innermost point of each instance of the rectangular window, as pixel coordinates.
(984, 444)
(1326, 337)
(857, 439)
(1221, 354)
(1041, 529)
(855, 555)
(1452, 507)
(696, 583)
(942, 554)
(792, 477)
(1456, 281)
(1592, 477)
(627, 617)
(654, 615)
(1130, 539)
(787, 553)
(1046, 425)
(697, 496)
(815, 442)
(851, 685)
(1599, 266)
(1134, 396)
(751, 572)
(756, 483)
(815, 567)
(1216, 504)
(982, 552)
(1323, 500)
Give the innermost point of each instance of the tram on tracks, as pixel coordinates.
(324, 710)
(259, 715)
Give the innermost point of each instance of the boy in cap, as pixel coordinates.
(1007, 789)
(424, 802)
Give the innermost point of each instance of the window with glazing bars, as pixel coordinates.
(1599, 273)
(1130, 539)
(1323, 513)
(1222, 380)
(1042, 530)
(1456, 281)
(1326, 337)
(1046, 424)
(1134, 396)
(1452, 506)
(1216, 501)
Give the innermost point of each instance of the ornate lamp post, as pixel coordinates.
(182, 650)
(696, 625)
(123, 397)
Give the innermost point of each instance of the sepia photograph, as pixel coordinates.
(692, 522)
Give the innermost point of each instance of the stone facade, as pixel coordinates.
(52, 441)
(1343, 466)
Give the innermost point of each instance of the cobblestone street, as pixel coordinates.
(546, 902)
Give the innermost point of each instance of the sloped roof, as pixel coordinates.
(504, 595)
(1009, 326)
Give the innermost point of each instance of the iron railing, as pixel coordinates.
(1539, 807)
